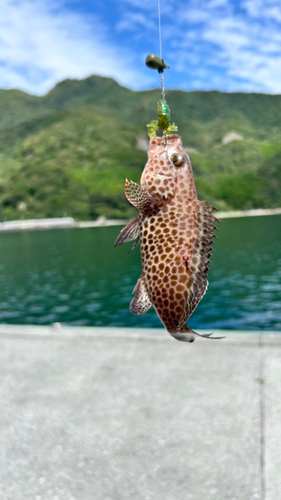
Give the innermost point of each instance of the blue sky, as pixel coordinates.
(228, 45)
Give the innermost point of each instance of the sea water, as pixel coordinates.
(77, 277)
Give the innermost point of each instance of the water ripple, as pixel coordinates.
(77, 277)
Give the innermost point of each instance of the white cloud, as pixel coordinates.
(247, 52)
(134, 21)
(263, 9)
(149, 6)
(230, 45)
(42, 43)
(242, 45)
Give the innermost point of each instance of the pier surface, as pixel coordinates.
(117, 414)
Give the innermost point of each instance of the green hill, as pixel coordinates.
(69, 152)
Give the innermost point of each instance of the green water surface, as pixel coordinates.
(77, 277)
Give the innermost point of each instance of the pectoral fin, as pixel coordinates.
(140, 303)
(128, 233)
(139, 198)
(137, 242)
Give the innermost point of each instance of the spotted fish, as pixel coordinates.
(175, 232)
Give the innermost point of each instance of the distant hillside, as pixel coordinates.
(70, 151)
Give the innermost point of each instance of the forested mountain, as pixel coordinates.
(69, 152)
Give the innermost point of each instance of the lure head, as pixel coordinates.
(164, 120)
(168, 170)
(164, 115)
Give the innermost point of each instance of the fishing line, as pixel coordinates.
(160, 47)
(163, 123)
(160, 35)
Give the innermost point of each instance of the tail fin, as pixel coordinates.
(185, 334)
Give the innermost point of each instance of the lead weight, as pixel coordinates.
(155, 62)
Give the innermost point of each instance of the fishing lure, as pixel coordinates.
(163, 122)
(174, 229)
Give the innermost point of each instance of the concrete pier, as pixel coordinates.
(117, 414)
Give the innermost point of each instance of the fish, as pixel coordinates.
(175, 231)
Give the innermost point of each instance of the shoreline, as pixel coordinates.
(257, 212)
(70, 223)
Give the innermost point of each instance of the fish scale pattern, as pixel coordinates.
(175, 251)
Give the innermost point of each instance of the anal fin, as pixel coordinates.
(141, 302)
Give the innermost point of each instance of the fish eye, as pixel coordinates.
(178, 160)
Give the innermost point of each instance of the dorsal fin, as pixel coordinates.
(198, 283)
